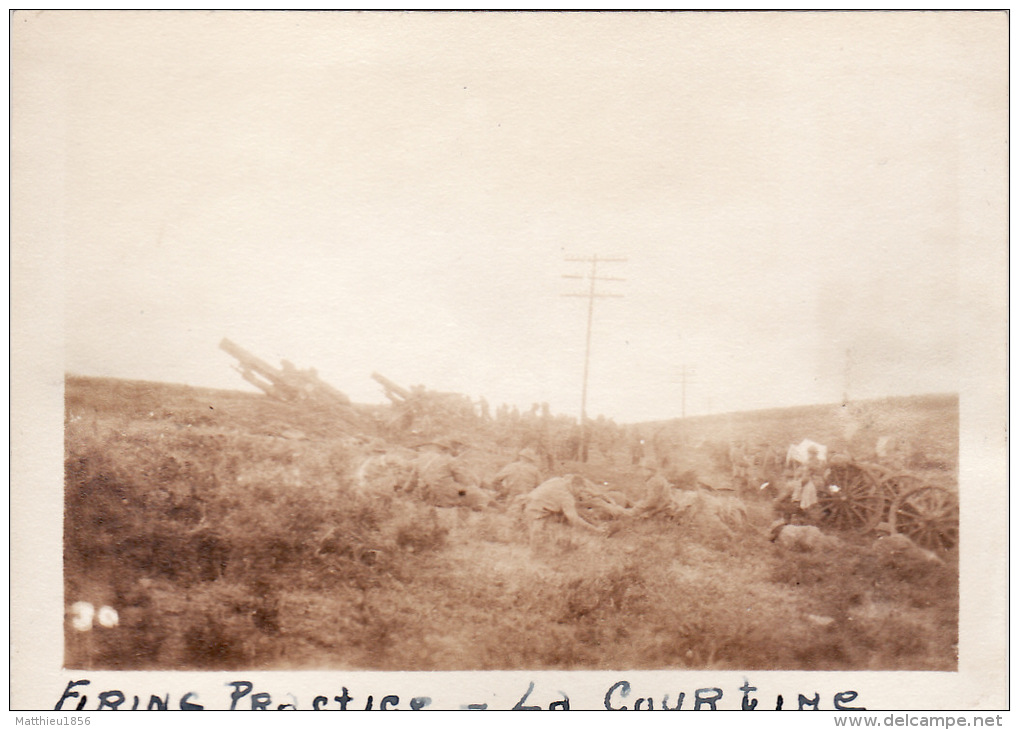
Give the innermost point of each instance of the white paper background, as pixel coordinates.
(91, 189)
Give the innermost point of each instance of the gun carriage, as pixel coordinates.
(861, 495)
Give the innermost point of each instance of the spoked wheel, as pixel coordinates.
(851, 499)
(929, 516)
(897, 484)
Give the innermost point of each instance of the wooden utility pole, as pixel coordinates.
(686, 375)
(591, 295)
(849, 365)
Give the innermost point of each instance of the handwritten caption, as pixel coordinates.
(241, 695)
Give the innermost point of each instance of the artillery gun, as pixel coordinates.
(860, 495)
(288, 384)
(394, 392)
(426, 411)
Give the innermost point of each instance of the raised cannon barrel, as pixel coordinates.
(251, 367)
(288, 383)
(249, 361)
(393, 391)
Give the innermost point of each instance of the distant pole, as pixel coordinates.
(591, 295)
(849, 362)
(686, 375)
(683, 406)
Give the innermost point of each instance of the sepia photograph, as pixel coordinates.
(512, 342)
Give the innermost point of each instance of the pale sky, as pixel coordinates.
(397, 193)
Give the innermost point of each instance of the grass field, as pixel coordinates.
(223, 528)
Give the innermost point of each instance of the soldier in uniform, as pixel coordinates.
(657, 491)
(797, 501)
(810, 478)
(738, 461)
(444, 481)
(556, 497)
(520, 476)
(565, 497)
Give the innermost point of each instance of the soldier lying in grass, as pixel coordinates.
(444, 481)
(518, 477)
(657, 498)
(562, 496)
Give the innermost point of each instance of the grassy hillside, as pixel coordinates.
(930, 423)
(224, 529)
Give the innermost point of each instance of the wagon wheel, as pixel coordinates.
(894, 485)
(852, 499)
(929, 516)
